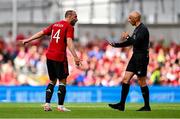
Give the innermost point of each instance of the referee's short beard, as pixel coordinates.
(132, 23)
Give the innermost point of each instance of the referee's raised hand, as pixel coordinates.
(124, 35)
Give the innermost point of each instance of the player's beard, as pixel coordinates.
(73, 22)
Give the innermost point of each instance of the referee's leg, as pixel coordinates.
(124, 92)
(145, 93)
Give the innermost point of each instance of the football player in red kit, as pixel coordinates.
(62, 35)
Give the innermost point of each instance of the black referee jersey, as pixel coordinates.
(139, 40)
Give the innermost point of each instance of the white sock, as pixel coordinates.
(60, 106)
(48, 104)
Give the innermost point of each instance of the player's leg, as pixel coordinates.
(49, 93)
(145, 93)
(61, 92)
(62, 73)
(124, 92)
(61, 95)
(51, 85)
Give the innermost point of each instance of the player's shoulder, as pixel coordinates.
(65, 23)
(60, 24)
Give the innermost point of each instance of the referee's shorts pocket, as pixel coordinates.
(141, 64)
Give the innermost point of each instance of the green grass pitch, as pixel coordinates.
(88, 110)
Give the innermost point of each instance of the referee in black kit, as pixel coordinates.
(138, 62)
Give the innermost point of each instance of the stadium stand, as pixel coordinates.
(104, 64)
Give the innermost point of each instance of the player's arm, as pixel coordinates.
(46, 31)
(70, 46)
(34, 37)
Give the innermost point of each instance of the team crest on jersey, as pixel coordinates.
(139, 72)
(134, 36)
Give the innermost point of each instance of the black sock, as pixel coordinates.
(124, 92)
(61, 94)
(49, 92)
(145, 94)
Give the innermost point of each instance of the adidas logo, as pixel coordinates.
(48, 90)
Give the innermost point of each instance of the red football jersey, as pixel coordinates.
(59, 32)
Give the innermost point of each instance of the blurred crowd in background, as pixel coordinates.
(103, 65)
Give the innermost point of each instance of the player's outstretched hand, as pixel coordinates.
(24, 42)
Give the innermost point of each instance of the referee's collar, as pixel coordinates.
(139, 25)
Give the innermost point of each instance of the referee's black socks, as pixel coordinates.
(49, 92)
(61, 93)
(124, 92)
(145, 94)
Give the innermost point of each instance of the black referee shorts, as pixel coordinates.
(57, 69)
(138, 64)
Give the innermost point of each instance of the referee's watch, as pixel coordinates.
(127, 37)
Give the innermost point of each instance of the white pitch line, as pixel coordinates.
(90, 118)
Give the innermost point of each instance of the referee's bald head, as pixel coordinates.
(134, 17)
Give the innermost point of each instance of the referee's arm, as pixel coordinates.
(126, 43)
